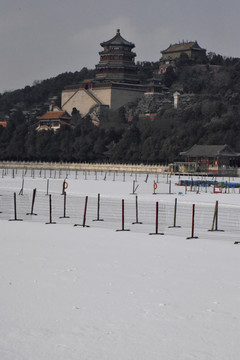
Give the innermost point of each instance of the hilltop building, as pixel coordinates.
(53, 119)
(174, 52)
(116, 82)
(117, 61)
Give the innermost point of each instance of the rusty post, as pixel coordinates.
(192, 232)
(33, 201)
(175, 216)
(84, 214)
(156, 223)
(123, 229)
(215, 218)
(64, 206)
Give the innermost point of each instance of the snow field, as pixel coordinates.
(94, 293)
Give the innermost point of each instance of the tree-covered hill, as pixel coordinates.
(208, 113)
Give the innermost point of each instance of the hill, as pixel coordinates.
(208, 113)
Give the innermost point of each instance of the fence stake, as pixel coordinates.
(33, 201)
(50, 211)
(175, 216)
(193, 215)
(156, 223)
(21, 190)
(134, 188)
(64, 186)
(98, 210)
(215, 219)
(64, 206)
(137, 222)
(47, 186)
(84, 214)
(15, 209)
(123, 229)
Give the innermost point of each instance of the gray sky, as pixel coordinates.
(43, 38)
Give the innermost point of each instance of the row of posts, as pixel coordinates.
(156, 232)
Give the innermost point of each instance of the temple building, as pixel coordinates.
(53, 119)
(173, 52)
(117, 61)
(116, 82)
(214, 159)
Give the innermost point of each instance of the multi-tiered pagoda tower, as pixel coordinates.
(117, 62)
(116, 82)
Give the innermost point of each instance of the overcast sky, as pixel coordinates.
(43, 38)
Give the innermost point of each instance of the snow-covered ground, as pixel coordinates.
(70, 293)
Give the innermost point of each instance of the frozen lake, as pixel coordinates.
(93, 293)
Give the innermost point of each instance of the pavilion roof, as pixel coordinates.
(183, 46)
(117, 40)
(54, 115)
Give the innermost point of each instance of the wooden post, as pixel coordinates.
(15, 209)
(137, 222)
(98, 210)
(169, 186)
(47, 186)
(85, 211)
(84, 214)
(33, 201)
(64, 207)
(192, 233)
(134, 188)
(175, 216)
(21, 190)
(156, 223)
(123, 229)
(50, 211)
(215, 219)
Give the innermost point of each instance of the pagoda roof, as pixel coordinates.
(183, 46)
(117, 40)
(210, 151)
